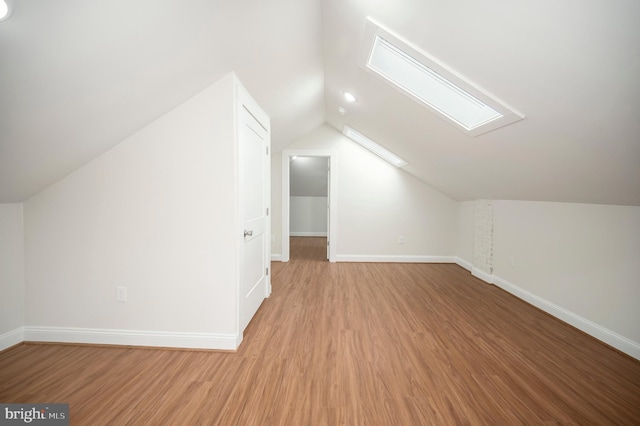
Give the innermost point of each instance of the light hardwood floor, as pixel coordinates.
(350, 344)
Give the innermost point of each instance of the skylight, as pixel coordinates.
(432, 84)
(373, 147)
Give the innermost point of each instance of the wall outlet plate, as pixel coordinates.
(121, 294)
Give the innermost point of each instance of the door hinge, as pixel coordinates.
(267, 211)
(267, 150)
(267, 271)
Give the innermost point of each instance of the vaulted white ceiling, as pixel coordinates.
(77, 77)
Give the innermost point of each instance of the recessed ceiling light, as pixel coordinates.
(367, 143)
(349, 97)
(433, 85)
(4, 10)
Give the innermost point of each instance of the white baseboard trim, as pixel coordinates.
(132, 338)
(276, 257)
(484, 276)
(603, 334)
(307, 234)
(11, 338)
(395, 258)
(466, 265)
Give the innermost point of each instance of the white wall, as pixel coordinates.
(308, 177)
(576, 261)
(377, 203)
(465, 233)
(582, 257)
(155, 215)
(308, 216)
(11, 275)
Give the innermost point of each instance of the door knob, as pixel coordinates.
(248, 233)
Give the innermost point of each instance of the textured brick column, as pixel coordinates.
(483, 236)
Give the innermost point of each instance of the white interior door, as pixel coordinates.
(253, 140)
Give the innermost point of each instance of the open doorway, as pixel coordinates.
(308, 208)
(309, 204)
(308, 248)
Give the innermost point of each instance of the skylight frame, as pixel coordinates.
(374, 31)
(372, 146)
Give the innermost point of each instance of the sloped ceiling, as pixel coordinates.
(76, 77)
(571, 67)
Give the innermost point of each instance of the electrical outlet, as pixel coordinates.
(401, 239)
(512, 261)
(121, 294)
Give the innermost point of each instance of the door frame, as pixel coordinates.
(244, 101)
(331, 194)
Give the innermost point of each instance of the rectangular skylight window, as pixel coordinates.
(432, 84)
(373, 147)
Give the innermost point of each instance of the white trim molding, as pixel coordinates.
(597, 331)
(466, 265)
(395, 258)
(307, 234)
(605, 335)
(11, 338)
(477, 272)
(132, 338)
(276, 257)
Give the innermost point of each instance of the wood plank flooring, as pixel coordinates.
(350, 344)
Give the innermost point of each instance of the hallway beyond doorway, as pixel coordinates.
(308, 248)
